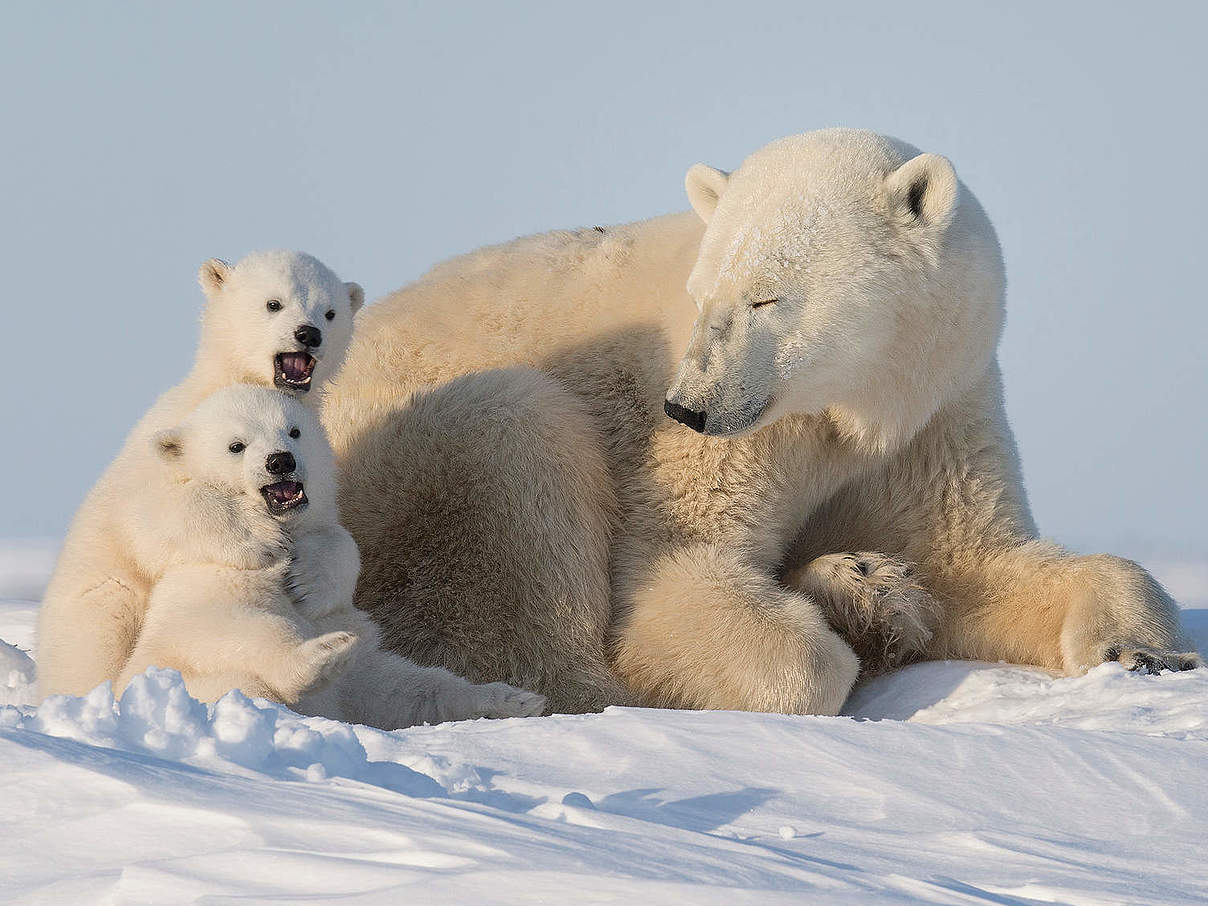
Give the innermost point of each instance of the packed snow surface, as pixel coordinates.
(947, 783)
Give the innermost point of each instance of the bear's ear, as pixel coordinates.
(168, 444)
(923, 191)
(212, 275)
(705, 185)
(356, 296)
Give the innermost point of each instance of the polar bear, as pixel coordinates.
(277, 319)
(242, 480)
(837, 469)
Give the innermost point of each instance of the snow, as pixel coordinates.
(946, 783)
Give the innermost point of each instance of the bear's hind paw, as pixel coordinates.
(500, 700)
(1140, 659)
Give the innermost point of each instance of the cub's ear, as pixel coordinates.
(212, 275)
(923, 191)
(705, 185)
(168, 444)
(356, 296)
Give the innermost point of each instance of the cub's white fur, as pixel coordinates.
(109, 563)
(552, 527)
(244, 483)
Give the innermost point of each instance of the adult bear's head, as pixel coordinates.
(841, 272)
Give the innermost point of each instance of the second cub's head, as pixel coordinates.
(256, 447)
(280, 319)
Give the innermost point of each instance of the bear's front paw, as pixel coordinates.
(875, 602)
(1151, 660)
(502, 700)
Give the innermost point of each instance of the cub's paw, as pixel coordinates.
(321, 660)
(313, 592)
(502, 700)
(875, 602)
(1140, 659)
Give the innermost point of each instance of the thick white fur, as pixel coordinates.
(108, 564)
(224, 623)
(860, 410)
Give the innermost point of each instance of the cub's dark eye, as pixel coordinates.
(295, 433)
(273, 305)
(763, 303)
(330, 316)
(237, 447)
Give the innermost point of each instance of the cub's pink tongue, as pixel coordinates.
(296, 366)
(283, 491)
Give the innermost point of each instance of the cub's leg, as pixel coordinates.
(875, 602)
(386, 691)
(85, 637)
(226, 629)
(700, 628)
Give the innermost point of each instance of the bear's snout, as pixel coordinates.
(309, 336)
(685, 416)
(280, 463)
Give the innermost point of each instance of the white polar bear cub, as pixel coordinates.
(241, 482)
(277, 319)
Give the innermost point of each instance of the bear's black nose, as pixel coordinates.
(280, 463)
(682, 414)
(309, 336)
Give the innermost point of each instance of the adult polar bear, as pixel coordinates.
(526, 513)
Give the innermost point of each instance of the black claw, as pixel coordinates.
(1144, 663)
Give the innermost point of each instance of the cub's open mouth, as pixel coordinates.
(283, 496)
(294, 370)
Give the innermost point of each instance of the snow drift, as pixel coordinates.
(946, 783)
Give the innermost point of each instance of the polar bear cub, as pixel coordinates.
(241, 484)
(232, 493)
(277, 319)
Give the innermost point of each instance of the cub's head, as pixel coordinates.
(840, 272)
(279, 319)
(257, 448)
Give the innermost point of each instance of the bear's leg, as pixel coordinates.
(1036, 603)
(386, 691)
(875, 602)
(483, 510)
(85, 639)
(701, 628)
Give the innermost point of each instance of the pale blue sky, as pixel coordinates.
(144, 138)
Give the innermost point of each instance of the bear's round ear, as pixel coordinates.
(212, 275)
(705, 185)
(168, 444)
(356, 295)
(923, 191)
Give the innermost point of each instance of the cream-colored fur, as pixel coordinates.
(108, 564)
(224, 625)
(840, 316)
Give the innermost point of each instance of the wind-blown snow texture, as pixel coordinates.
(957, 783)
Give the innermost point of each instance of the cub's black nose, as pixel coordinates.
(683, 415)
(309, 336)
(281, 463)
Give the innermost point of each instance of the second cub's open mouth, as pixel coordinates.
(283, 496)
(293, 370)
